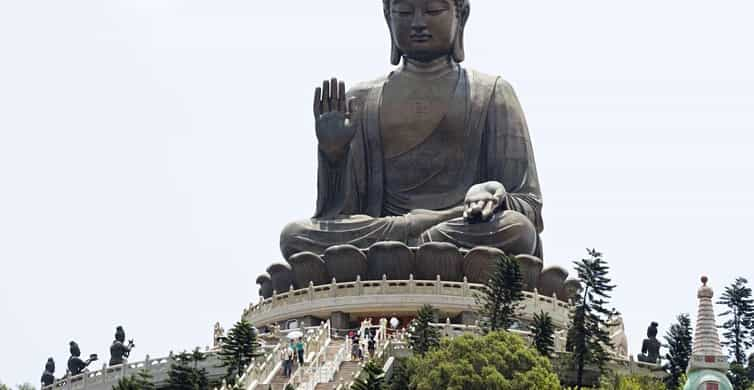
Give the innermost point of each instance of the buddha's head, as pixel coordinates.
(425, 30)
(75, 351)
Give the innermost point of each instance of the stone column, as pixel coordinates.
(468, 318)
(340, 320)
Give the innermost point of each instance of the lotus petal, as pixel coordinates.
(308, 267)
(390, 258)
(345, 262)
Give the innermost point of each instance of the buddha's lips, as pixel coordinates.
(421, 37)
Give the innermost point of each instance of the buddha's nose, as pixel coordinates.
(419, 23)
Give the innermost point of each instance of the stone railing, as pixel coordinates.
(323, 371)
(382, 346)
(460, 296)
(316, 348)
(262, 370)
(105, 378)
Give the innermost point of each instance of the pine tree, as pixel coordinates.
(373, 378)
(185, 374)
(501, 297)
(543, 331)
(139, 381)
(678, 340)
(588, 338)
(422, 336)
(738, 329)
(238, 349)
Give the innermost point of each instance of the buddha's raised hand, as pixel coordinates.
(483, 200)
(332, 113)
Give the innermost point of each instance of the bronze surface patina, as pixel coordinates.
(433, 152)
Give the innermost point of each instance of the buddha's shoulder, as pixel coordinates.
(487, 79)
(362, 89)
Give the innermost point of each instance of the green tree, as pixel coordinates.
(499, 360)
(4, 386)
(588, 338)
(401, 375)
(630, 382)
(184, 373)
(502, 295)
(372, 378)
(26, 386)
(543, 331)
(238, 349)
(423, 336)
(739, 326)
(139, 381)
(678, 338)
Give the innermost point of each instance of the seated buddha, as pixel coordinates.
(432, 152)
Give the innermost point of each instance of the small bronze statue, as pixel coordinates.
(650, 348)
(120, 351)
(48, 376)
(218, 335)
(76, 365)
(431, 152)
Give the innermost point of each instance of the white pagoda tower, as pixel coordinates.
(707, 366)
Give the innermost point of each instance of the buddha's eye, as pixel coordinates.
(403, 11)
(437, 7)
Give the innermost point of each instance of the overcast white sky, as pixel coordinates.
(151, 151)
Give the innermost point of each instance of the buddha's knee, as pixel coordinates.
(517, 233)
(291, 238)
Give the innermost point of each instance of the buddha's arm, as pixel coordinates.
(336, 133)
(335, 187)
(510, 157)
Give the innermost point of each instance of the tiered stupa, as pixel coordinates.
(708, 365)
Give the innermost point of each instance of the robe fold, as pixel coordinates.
(497, 148)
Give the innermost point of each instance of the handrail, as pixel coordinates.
(319, 345)
(260, 371)
(533, 301)
(111, 374)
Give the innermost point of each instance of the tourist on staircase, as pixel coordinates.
(300, 351)
(286, 356)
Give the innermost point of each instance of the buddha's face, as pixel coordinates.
(424, 30)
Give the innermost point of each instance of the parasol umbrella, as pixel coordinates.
(296, 334)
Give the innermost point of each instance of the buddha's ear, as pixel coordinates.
(458, 50)
(395, 53)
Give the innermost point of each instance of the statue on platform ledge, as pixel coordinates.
(650, 348)
(218, 335)
(76, 365)
(48, 376)
(119, 350)
(433, 152)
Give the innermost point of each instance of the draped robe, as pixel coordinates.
(355, 207)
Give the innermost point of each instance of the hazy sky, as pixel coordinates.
(151, 151)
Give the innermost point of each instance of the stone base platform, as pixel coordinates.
(395, 261)
(345, 303)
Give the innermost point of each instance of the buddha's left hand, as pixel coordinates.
(483, 200)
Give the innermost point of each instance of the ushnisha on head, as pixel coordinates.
(425, 30)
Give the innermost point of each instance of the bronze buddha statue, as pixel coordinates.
(433, 152)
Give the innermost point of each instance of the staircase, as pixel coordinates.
(345, 374)
(279, 381)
